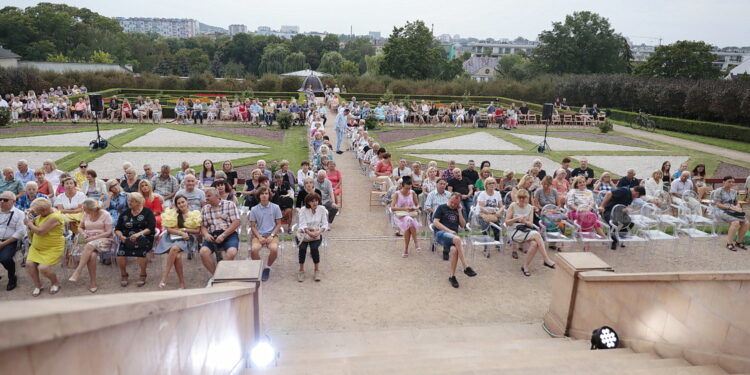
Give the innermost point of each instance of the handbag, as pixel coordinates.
(489, 218)
(302, 236)
(738, 214)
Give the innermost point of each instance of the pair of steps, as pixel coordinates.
(496, 349)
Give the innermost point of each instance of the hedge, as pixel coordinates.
(710, 129)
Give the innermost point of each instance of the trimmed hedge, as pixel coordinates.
(710, 129)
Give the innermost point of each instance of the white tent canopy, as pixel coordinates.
(743, 68)
(306, 73)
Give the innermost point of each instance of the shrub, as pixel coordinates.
(284, 119)
(710, 129)
(387, 97)
(4, 116)
(605, 126)
(247, 94)
(371, 122)
(269, 82)
(291, 83)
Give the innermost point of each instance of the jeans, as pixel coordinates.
(466, 207)
(340, 137)
(197, 115)
(268, 117)
(314, 246)
(331, 211)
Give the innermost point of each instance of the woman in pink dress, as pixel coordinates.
(405, 212)
(334, 175)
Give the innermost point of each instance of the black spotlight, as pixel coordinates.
(604, 338)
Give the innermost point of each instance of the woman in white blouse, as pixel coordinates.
(654, 185)
(313, 221)
(70, 203)
(51, 173)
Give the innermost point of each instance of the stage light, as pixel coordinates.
(604, 338)
(262, 354)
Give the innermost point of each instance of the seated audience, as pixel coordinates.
(585, 171)
(520, 220)
(10, 183)
(196, 197)
(405, 208)
(24, 200)
(47, 244)
(151, 201)
(324, 186)
(581, 206)
(447, 220)
(131, 182)
(727, 210)
(623, 196)
(629, 180)
(92, 186)
(165, 184)
(12, 232)
(220, 221)
(135, 229)
(96, 231)
(462, 185)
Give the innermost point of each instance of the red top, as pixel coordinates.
(155, 205)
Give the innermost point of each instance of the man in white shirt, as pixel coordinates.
(3, 103)
(402, 170)
(437, 197)
(12, 231)
(681, 186)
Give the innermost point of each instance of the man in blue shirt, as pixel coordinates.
(341, 129)
(447, 220)
(265, 223)
(24, 173)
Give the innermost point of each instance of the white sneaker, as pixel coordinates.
(301, 276)
(316, 277)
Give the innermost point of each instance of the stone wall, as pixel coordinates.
(196, 331)
(703, 317)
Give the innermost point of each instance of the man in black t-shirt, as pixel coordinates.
(629, 180)
(623, 196)
(585, 171)
(462, 185)
(447, 220)
(470, 173)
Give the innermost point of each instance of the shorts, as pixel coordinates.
(255, 240)
(444, 238)
(232, 241)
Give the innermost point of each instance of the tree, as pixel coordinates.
(57, 57)
(233, 70)
(514, 66)
(247, 49)
(273, 58)
(350, 67)
(451, 69)
(357, 50)
(295, 61)
(330, 43)
(584, 43)
(101, 57)
(310, 45)
(191, 61)
(411, 52)
(373, 64)
(682, 59)
(331, 62)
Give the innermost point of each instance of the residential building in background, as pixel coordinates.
(726, 59)
(237, 29)
(289, 29)
(496, 49)
(481, 68)
(374, 35)
(169, 27)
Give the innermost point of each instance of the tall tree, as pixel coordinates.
(295, 61)
(330, 43)
(273, 58)
(357, 50)
(584, 43)
(411, 52)
(331, 62)
(682, 59)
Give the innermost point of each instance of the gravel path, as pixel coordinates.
(163, 137)
(270, 135)
(35, 159)
(727, 169)
(598, 137)
(60, 140)
(732, 154)
(390, 136)
(564, 144)
(473, 141)
(37, 129)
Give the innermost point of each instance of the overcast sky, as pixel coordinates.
(719, 22)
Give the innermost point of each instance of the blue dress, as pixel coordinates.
(117, 205)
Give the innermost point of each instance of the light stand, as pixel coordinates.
(99, 143)
(543, 146)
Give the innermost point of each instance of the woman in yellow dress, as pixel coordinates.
(47, 244)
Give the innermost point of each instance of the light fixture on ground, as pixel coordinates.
(604, 338)
(262, 354)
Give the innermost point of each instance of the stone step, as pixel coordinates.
(414, 337)
(689, 370)
(406, 364)
(485, 346)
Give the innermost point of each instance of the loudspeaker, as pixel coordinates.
(547, 111)
(97, 104)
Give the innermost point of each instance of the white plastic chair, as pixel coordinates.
(557, 215)
(485, 238)
(694, 221)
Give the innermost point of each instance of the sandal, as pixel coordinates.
(740, 245)
(124, 280)
(141, 282)
(36, 292)
(514, 254)
(162, 285)
(731, 247)
(549, 265)
(525, 272)
(93, 290)
(54, 289)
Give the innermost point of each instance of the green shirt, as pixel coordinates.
(15, 186)
(479, 185)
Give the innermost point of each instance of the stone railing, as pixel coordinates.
(703, 317)
(194, 331)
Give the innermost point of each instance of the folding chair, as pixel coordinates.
(554, 224)
(484, 238)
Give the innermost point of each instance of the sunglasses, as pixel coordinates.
(4, 200)
(83, 166)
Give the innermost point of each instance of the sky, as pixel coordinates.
(718, 22)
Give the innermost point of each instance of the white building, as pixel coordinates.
(374, 35)
(289, 29)
(8, 59)
(237, 29)
(726, 61)
(169, 27)
(501, 48)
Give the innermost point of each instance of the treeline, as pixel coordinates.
(58, 32)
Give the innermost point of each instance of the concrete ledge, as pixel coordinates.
(29, 322)
(594, 276)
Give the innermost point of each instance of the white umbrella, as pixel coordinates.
(306, 73)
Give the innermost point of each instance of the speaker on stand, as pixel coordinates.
(97, 106)
(547, 112)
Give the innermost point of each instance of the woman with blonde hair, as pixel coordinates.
(654, 185)
(131, 182)
(520, 219)
(581, 206)
(561, 184)
(525, 183)
(47, 244)
(96, 231)
(152, 201)
(603, 186)
(51, 173)
(182, 225)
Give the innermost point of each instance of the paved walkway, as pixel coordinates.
(732, 154)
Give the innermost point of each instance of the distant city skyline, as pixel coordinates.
(721, 23)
